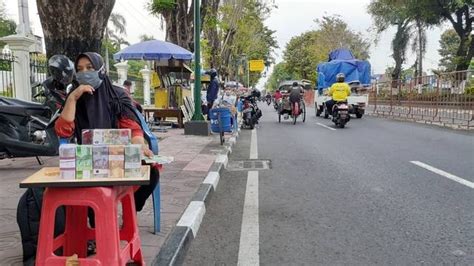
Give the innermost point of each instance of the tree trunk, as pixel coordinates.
(73, 26)
(465, 48)
(179, 23)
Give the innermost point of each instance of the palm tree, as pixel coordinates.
(114, 32)
(145, 37)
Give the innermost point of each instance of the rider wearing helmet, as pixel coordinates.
(62, 73)
(339, 92)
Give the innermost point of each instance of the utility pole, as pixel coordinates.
(197, 63)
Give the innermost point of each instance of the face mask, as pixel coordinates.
(89, 78)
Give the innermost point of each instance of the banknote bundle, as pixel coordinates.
(67, 161)
(133, 160)
(100, 158)
(106, 136)
(83, 161)
(116, 161)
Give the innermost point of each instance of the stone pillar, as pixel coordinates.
(122, 71)
(20, 47)
(146, 73)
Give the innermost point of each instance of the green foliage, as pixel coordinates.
(134, 67)
(112, 50)
(159, 6)
(235, 34)
(7, 26)
(449, 44)
(279, 74)
(304, 52)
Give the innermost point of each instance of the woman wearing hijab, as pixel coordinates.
(94, 104)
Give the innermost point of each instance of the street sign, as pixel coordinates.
(256, 65)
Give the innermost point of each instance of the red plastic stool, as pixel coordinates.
(104, 201)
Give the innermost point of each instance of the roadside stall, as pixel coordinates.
(170, 78)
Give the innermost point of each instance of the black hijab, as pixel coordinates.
(106, 106)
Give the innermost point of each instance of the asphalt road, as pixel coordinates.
(348, 196)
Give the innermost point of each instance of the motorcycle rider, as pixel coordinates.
(62, 73)
(339, 92)
(277, 95)
(295, 93)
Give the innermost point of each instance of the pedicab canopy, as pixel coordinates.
(343, 61)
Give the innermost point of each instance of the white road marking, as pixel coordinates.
(192, 216)
(443, 173)
(249, 248)
(249, 236)
(323, 125)
(253, 145)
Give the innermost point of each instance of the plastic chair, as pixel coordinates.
(111, 249)
(153, 145)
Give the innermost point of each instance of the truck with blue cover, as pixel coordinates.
(358, 76)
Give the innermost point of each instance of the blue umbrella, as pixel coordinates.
(153, 50)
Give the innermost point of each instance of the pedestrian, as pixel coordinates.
(95, 103)
(127, 85)
(212, 89)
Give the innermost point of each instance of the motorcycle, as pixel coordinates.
(27, 128)
(269, 101)
(340, 114)
(250, 112)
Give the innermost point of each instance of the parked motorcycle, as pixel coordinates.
(250, 112)
(27, 128)
(340, 114)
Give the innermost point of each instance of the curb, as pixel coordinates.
(176, 244)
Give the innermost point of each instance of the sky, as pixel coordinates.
(291, 18)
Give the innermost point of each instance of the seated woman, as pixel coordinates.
(95, 103)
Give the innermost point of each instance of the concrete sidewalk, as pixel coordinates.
(193, 156)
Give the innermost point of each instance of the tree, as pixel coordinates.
(387, 13)
(145, 37)
(116, 30)
(460, 13)
(449, 44)
(304, 52)
(74, 26)
(178, 17)
(114, 36)
(7, 26)
(279, 74)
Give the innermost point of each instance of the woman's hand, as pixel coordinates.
(147, 152)
(69, 111)
(79, 91)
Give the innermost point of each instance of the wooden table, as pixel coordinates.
(164, 113)
(49, 177)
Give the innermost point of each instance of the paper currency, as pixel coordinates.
(133, 160)
(111, 136)
(159, 159)
(67, 161)
(116, 161)
(84, 161)
(87, 136)
(100, 157)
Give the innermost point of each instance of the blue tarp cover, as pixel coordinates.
(354, 69)
(340, 54)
